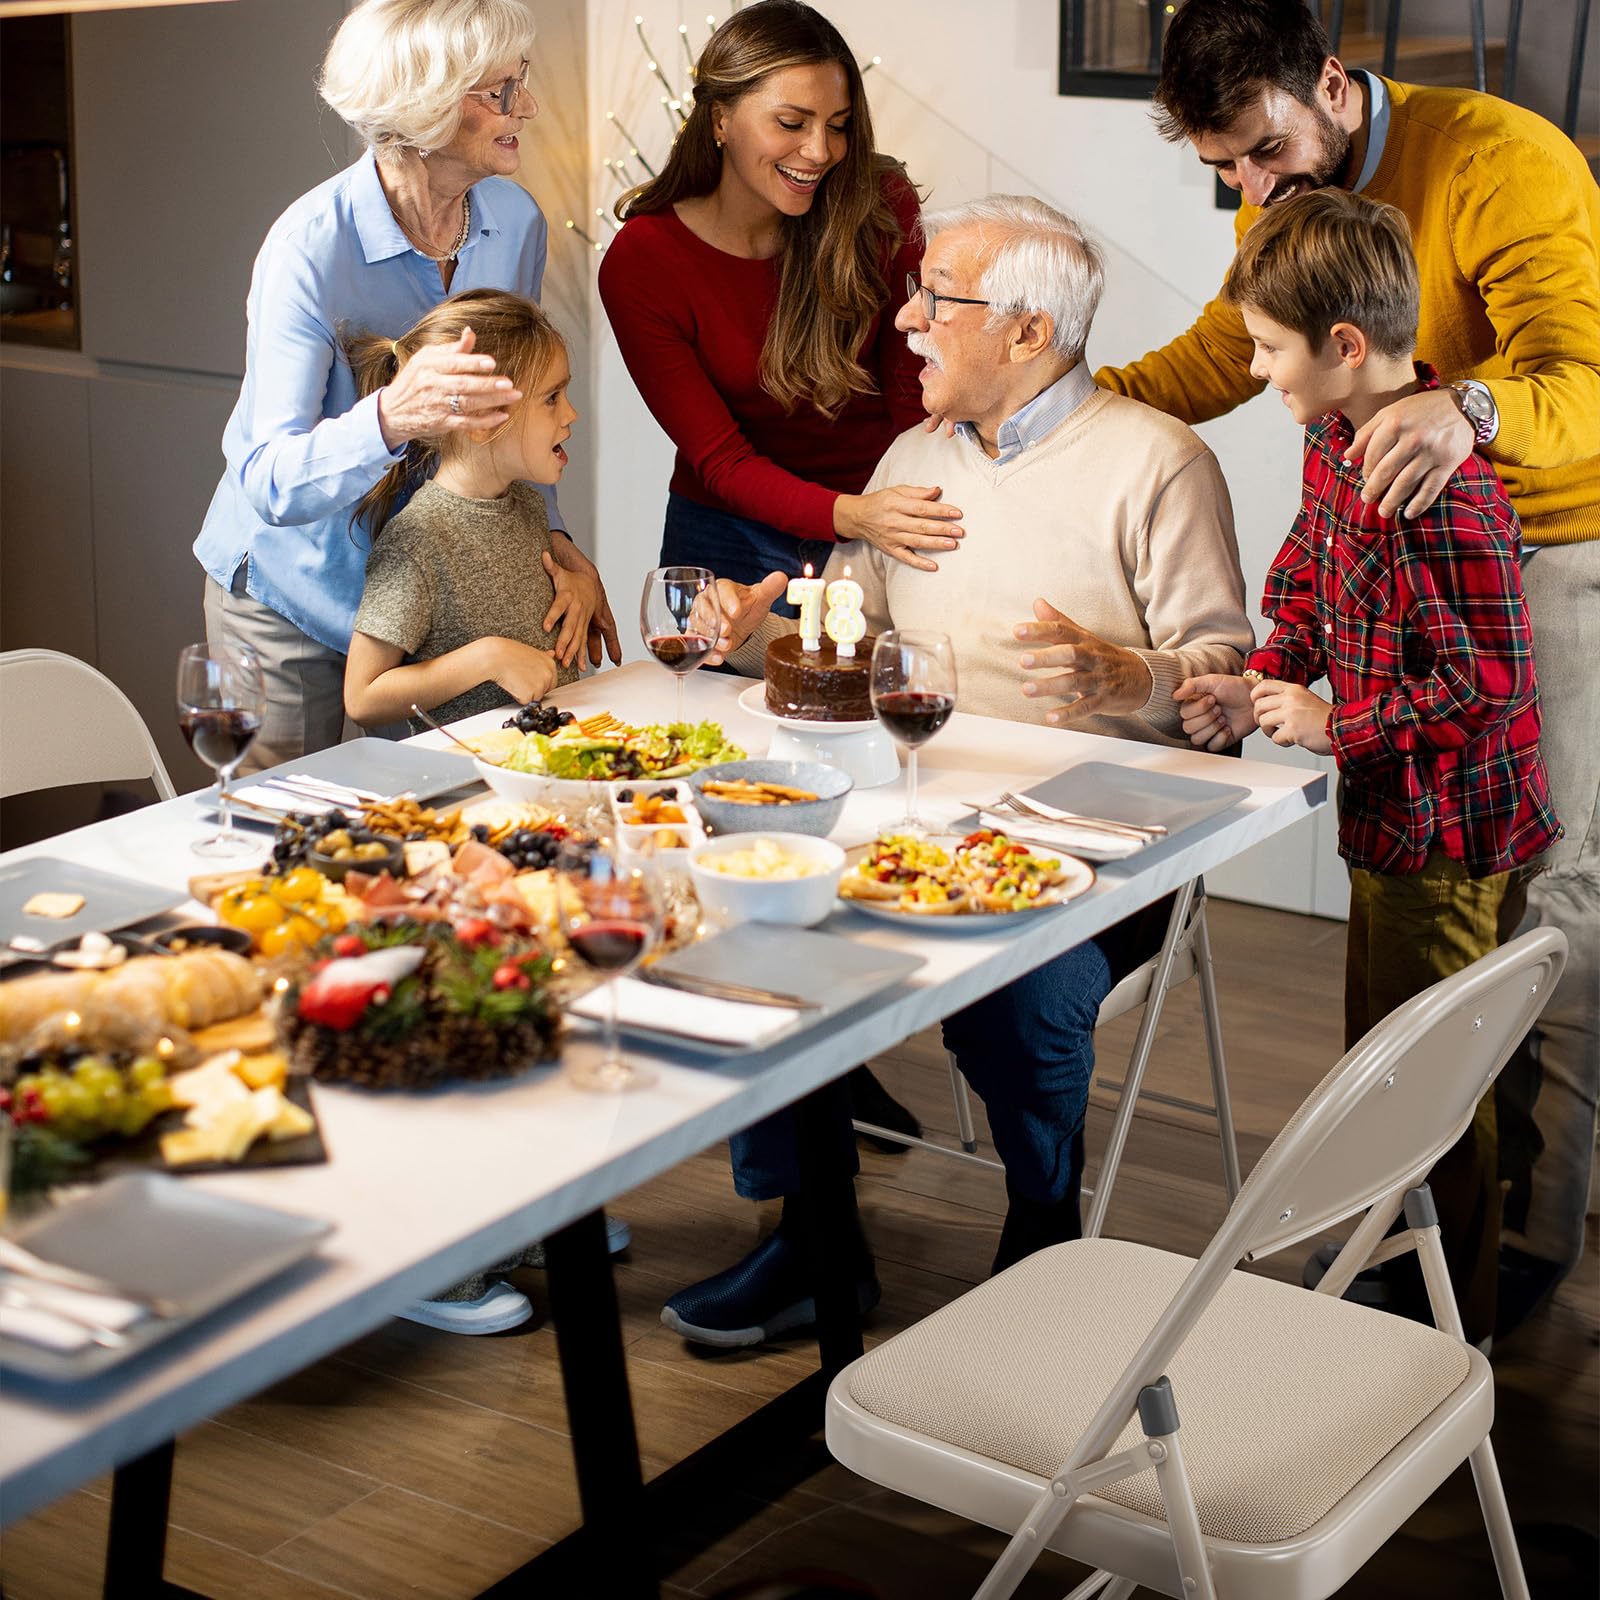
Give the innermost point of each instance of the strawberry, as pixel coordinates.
(349, 944)
(474, 931)
(338, 996)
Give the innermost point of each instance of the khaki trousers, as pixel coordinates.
(1406, 933)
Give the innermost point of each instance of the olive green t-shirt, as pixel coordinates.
(447, 570)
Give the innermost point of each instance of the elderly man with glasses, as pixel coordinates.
(1099, 570)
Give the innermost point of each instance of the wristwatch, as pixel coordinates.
(1478, 407)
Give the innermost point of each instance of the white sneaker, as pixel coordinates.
(496, 1309)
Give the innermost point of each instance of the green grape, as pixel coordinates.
(155, 1097)
(146, 1069)
(113, 1098)
(54, 1093)
(96, 1074)
(135, 1116)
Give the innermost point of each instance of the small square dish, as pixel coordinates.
(154, 1237)
(657, 818)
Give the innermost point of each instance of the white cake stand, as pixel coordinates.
(863, 750)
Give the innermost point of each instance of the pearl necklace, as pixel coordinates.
(461, 237)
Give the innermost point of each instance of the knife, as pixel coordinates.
(723, 989)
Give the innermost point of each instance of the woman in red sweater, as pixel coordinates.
(753, 291)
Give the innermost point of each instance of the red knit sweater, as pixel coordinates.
(690, 322)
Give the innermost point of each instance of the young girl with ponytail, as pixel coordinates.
(460, 582)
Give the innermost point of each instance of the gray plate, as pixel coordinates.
(835, 973)
(108, 901)
(153, 1235)
(1131, 794)
(381, 765)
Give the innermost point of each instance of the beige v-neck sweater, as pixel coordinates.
(1119, 517)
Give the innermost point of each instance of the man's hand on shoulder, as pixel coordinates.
(1408, 451)
(742, 606)
(1096, 678)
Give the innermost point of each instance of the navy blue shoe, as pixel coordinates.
(762, 1297)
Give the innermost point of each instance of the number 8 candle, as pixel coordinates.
(844, 621)
(806, 593)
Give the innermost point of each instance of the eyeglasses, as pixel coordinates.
(930, 299)
(504, 98)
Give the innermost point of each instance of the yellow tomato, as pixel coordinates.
(301, 885)
(249, 908)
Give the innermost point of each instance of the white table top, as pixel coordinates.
(426, 1188)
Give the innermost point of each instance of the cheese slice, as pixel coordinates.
(52, 904)
(269, 1069)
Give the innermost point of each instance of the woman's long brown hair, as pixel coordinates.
(512, 329)
(832, 274)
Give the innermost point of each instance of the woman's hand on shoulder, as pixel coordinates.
(904, 522)
(416, 405)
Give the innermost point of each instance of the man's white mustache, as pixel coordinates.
(920, 344)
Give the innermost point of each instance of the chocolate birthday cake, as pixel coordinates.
(819, 685)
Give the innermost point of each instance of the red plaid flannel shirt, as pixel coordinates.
(1420, 626)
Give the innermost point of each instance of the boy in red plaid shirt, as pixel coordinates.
(1420, 627)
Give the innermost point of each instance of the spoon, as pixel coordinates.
(439, 727)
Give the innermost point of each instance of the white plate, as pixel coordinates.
(1080, 879)
(754, 701)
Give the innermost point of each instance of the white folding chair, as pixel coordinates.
(63, 722)
(1185, 953)
(1046, 1402)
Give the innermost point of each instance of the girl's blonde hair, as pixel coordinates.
(516, 332)
(832, 268)
(398, 70)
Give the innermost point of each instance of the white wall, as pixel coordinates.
(966, 95)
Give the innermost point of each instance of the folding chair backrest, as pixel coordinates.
(1398, 1100)
(63, 722)
(1376, 1123)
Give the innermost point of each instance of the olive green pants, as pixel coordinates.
(1406, 933)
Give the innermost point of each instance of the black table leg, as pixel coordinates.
(594, 1375)
(136, 1549)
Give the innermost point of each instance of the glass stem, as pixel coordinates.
(224, 808)
(680, 678)
(613, 1052)
(911, 783)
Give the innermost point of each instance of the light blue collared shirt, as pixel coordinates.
(301, 449)
(1377, 128)
(1040, 417)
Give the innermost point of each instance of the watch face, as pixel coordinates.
(1475, 403)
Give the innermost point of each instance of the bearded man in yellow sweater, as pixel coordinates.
(1505, 221)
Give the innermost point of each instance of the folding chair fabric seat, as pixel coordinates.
(1287, 1399)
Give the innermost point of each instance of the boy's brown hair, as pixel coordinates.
(509, 327)
(1329, 256)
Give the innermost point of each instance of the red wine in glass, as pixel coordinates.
(679, 620)
(913, 694)
(221, 701)
(679, 652)
(220, 738)
(914, 717)
(609, 944)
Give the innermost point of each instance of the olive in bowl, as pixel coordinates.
(357, 850)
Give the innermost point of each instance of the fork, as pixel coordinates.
(313, 785)
(1131, 830)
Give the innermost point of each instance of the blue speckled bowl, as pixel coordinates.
(817, 817)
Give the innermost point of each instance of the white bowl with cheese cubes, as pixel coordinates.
(790, 879)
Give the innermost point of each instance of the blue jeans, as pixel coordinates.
(735, 547)
(1028, 1050)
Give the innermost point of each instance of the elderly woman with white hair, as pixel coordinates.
(438, 91)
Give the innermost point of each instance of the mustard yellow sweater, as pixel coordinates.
(1506, 222)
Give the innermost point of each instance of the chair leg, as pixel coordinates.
(1123, 1119)
(1211, 1016)
(1497, 1520)
(963, 1100)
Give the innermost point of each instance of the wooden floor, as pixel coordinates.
(415, 1463)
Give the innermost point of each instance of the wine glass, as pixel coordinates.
(611, 913)
(913, 694)
(221, 701)
(680, 619)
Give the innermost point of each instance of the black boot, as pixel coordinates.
(871, 1102)
(1030, 1226)
(767, 1294)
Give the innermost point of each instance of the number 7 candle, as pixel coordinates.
(844, 621)
(806, 593)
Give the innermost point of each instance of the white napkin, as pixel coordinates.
(37, 1323)
(259, 794)
(649, 1005)
(1090, 842)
